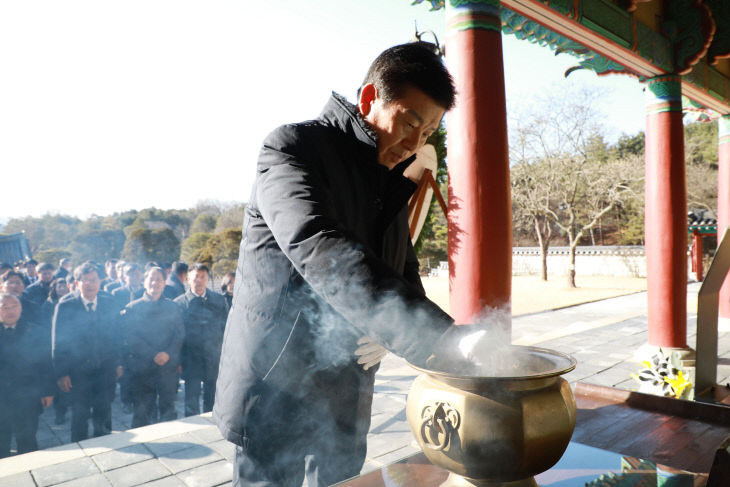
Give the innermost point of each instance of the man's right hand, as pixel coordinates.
(64, 383)
(161, 358)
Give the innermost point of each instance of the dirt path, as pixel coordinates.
(530, 294)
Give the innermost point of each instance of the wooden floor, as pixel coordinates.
(680, 434)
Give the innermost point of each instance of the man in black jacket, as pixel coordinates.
(326, 265)
(132, 288)
(26, 377)
(204, 315)
(86, 352)
(154, 334)
(39, 290)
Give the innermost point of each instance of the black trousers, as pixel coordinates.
(195, 374)
(154, 387)
(321, 435)
(91, 398)
(19, 417)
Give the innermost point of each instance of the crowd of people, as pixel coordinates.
(68, 338)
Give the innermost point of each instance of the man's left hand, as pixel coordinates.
(369, 353)
(46, 401)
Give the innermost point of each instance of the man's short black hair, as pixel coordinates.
(31, 262)
(152, 269)
(179, 267)
(10, 274)
(86, 268)
(199, 266)
(45, 266)
(415, 64)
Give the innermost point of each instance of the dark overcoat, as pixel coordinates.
(26, 371)
(84, 341)
(151, 327)
(325, 258)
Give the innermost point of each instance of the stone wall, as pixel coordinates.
(620, 261)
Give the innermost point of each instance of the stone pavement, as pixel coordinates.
(602, 336)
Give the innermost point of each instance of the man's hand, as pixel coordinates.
(369, 353)
(47, 401)
(64, 383)
(120, 371)
(161, 358)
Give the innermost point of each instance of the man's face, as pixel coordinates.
(46, 276)
(198, 280)
(111, 271)
(89, 285)
(10, 309)
(14, 286)
(67, 265)
(120, 271)
(154, 284)
(30, 269)
(133, 278)
(402, 125)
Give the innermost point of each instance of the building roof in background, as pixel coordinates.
(13, 248)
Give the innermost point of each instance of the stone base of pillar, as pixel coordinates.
(687, 355)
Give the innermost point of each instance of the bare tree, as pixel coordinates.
(561, 173)
(532, 188)
(586, 190)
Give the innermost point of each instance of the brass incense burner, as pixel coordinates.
(497, 424)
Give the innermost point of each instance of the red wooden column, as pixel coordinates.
(480, 212)
(723, 207)
(666, 214)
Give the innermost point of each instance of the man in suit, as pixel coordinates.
(119, 281)
(132, 288)
(110, 268)
(39, 290)
(26, 380)
(64, 268)
(12, 283)
(154, 333)
(174, 286)
(86, 352)
(204, 316)
(30, 272)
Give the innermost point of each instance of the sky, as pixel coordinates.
(107, 106)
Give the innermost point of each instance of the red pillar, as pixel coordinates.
(723, 204)
(665, 214)
(480, 212)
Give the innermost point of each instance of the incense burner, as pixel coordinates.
(495, 425)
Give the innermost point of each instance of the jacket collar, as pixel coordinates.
(191, 295)
(345, 116)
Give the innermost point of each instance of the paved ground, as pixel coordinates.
(602, 336)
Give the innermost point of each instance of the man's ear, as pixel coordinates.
(368, 94)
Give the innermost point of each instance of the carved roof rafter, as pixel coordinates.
(720, 46)
(609, 39)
